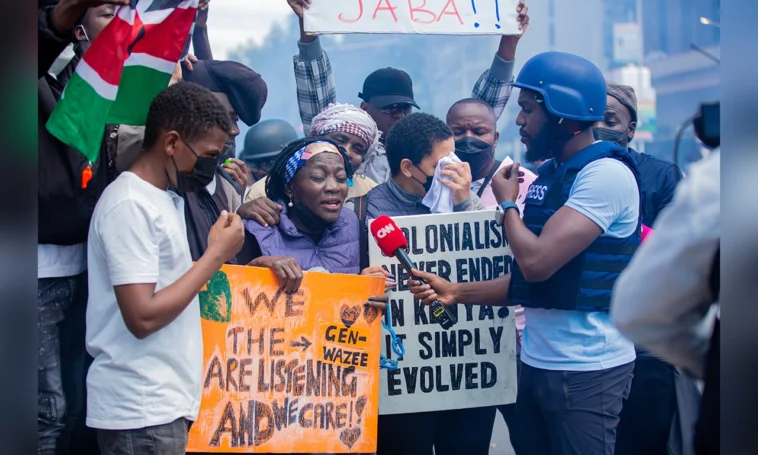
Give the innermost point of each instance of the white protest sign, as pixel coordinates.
(474, 363)
(439, 17)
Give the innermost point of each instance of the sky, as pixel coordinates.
(232, 23)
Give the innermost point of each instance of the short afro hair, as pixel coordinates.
(413, 138)
(189, 109)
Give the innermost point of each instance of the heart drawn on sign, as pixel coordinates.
(350, 436)
(349, 314)
(370, 313)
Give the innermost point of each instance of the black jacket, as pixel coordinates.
(658, 179)
(64, 207)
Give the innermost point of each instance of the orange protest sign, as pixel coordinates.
(283, 373)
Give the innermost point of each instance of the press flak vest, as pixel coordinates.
(586, 282)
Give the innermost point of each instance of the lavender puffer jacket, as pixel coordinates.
(337, 251)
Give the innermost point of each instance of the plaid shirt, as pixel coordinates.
(315, 86)
(316, 90)
(493, 91)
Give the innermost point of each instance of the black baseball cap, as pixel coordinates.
(246, 89)
(388, 86)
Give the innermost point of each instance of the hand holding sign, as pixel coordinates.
(508, 43)
(378, 303)
(379, 272)
(286, 269)
(298, 6)
(523, 18)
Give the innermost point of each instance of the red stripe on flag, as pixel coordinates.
(107, 53)
(166, 40)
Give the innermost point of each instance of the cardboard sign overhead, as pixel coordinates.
(438, 17)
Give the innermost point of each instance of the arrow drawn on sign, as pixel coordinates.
(303, 343)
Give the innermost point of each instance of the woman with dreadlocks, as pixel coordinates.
(310, 181)
(353, 129)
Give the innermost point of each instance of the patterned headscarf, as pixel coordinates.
(299, 158)
(347, 118)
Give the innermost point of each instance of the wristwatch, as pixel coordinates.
(503, 207)
(509, 205)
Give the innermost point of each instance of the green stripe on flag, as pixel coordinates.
(139, 86)
(79, 118)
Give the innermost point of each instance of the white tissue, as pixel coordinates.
(439, 199)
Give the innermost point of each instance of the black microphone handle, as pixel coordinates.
(445, 318)
(406, 262)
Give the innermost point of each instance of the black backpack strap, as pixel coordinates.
(360, 207)
(358, 204)
(487, 179)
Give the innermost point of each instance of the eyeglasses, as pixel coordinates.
(402, 108)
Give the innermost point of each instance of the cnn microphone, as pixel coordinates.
(392, 242)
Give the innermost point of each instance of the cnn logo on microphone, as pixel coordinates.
(386, 230)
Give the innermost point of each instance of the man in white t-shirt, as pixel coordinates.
(580, 228)
(143, 315)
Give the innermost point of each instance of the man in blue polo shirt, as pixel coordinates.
(580, 228)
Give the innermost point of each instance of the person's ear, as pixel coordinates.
(364, 106)
(405, 168)
(497, 139)
(288, 190)
(170, 141)
(79, 33)
(631, 130)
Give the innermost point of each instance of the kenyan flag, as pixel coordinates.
(128, 64)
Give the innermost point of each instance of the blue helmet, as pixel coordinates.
(572, 87)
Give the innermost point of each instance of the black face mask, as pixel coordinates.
(606, 134)
(307, 218)
(429, 179)
(201, 176)
(477, 153)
